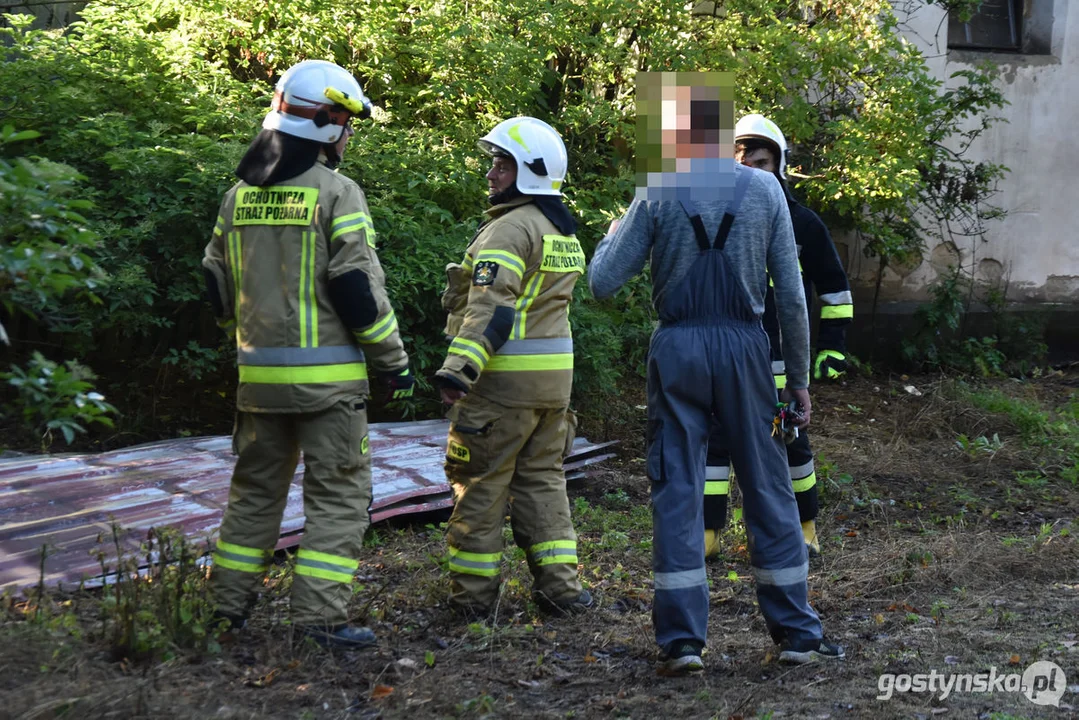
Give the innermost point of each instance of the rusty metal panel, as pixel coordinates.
(68, 503)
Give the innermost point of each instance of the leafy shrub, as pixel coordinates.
(57, 397)
(45, 264)
(155, 103)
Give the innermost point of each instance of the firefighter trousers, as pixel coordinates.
(717, 477)
(497, 455)
(336, 499)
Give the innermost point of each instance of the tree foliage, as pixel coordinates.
(155, 102)
(44, 262)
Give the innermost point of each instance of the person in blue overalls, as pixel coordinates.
(710, 230)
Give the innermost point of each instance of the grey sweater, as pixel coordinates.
(761, 243)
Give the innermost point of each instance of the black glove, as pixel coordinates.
(400, 385)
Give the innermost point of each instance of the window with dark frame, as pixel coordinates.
(996, 26)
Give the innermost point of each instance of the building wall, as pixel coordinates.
(1034, 251)
(47, 13)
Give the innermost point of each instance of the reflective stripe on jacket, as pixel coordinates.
(272, 255)
(508, 304)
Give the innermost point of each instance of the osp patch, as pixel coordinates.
(485, 273)
(457, 451)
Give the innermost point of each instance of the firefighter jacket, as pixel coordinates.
(291, 269)
(508, 304)
(821, 269)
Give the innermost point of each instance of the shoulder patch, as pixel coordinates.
(485, 273)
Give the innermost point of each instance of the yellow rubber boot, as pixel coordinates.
(711, 544)
(809, 530)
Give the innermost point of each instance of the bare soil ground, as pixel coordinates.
(944, 549)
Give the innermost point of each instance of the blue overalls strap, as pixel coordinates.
(740, 187)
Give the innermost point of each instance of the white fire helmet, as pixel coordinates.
(537, 149)
(315, 99)
(758, 126)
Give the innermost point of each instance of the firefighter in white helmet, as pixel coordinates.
(291, 271)
(508, 374)
(759, 143)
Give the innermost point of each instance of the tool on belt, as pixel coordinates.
(788, 415)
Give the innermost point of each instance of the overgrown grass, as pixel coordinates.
(153, 605)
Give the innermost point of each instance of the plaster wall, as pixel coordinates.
(1034, 250)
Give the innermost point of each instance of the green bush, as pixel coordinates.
(45, 265)
(155, 103)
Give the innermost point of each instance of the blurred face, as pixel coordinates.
(502, 175)
(761, 159)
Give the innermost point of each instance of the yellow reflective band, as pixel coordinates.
(553, 545)
(303, 291)
(224, 562)
(457, 451)
(241, 550)
(781, 381)
(345, 562)
(836, 312)
(805, 483)
(523, 304)
(350, 219)
(352, 223)
(306, 290)
(562, 254)
(365, 445)
(236, 263)
(302, 374)
(523, 363)
(277, 205)
(717, 487)
(505, 259)
(459, 567)
(336, 568)
(378, 332)
(472, 350)
(554, 552)
(475, 557)
(482, 564)
(323, 573)
(312, 302)
(218, 227)
(466, 264)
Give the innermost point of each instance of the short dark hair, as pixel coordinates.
(752, 144)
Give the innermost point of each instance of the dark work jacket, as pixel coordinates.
(822, 271)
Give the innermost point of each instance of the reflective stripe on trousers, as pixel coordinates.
(554, 551)
(240, 558)
(325, 566)
(482, 564)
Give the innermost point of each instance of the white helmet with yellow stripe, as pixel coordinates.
(314, 100)
(760, 127)
(537, 149)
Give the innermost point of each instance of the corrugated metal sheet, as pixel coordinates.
(66, 502)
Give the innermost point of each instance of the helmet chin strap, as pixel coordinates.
(333, 158)
(510, 193)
